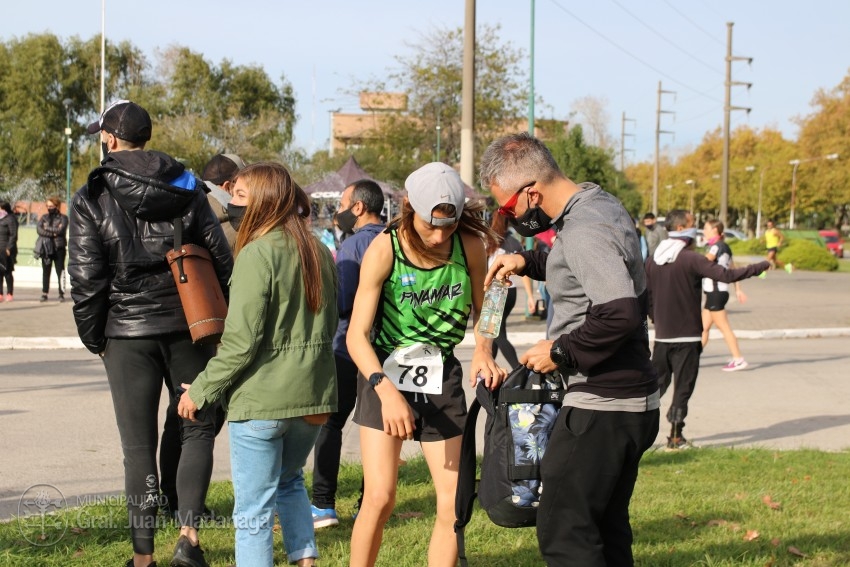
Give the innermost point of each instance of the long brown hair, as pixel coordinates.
(471, 221)
(276, 201)
(499, 225)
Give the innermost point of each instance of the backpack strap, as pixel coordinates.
(465, 494)
(178, 243)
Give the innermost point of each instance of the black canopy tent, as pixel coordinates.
(333, 184)
(327, 191)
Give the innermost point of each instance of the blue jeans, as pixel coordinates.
(267, 457)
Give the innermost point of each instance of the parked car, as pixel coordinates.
(834, 242)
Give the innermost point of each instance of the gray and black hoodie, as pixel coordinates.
(596, 278)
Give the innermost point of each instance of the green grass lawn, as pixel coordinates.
(704, 507)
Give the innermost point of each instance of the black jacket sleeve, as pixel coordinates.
(535, 264)
(605, 329)
(43, 227)
(89, 271)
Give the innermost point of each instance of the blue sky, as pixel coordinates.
(612, 49)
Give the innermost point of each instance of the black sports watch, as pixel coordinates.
(558, 356)
(375, 379)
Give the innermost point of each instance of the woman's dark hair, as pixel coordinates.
(275, 201)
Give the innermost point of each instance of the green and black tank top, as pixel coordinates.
(422, 305)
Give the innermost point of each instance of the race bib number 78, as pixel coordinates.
(416, 368)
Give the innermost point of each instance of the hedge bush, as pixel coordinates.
(751, 247)
(806, 255)
(803, 254)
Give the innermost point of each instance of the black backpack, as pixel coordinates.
(520, 417)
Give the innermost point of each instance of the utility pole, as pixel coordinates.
(727, 108)
(658, 132)
(467, 117)
(623, 135)
(531, 77)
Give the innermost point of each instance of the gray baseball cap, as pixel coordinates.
(435, 184)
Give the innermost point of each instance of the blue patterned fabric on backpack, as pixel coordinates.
(531, 424)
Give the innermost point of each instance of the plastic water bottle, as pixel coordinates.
(493, 309)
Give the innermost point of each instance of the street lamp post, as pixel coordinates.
(748, 169)
(439, 104)
(796, 163)
(693, 184)
(67, 102)
(758, 214)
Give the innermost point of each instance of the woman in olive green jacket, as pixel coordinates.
(274, 370)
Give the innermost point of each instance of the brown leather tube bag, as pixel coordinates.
(197, 283)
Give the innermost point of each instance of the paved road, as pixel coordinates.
(802, 300)
(58, 425)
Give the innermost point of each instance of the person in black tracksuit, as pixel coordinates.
(8, 249)
(53, 226)
(674, 280)
(128, 311)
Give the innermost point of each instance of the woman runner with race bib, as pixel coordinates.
(419, 282)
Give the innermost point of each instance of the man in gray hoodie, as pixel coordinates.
(594, 273)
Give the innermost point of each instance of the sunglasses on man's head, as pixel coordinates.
(507, 210)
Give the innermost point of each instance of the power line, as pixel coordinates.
(698, 116)
(660, 35)
(693, 23)
(635, 57)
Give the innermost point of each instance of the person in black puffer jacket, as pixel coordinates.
(52, 228)
(8, 249)
(128, 311)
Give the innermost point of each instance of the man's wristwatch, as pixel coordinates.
(558, 356)
(375, 379)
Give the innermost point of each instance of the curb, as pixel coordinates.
(531, 338)
(524, 338)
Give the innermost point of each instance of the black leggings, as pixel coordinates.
(502, 342)
(8, 274)
(46, 264)
(326, 455)
(134, 368)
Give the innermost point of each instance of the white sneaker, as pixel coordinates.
(735, 365)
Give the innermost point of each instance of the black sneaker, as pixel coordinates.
(61, 299)
(188, 555)
(43, 297)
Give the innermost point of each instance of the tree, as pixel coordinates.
(202, 109)
(431, 75)
(584, 162)
(32, 116)
(592, 114)
(826, 184)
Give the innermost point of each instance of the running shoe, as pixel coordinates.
(324, 517)
(679, 444)
(735, 365)
(789, 268)
(8, 297)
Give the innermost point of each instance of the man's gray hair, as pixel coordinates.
(517, 159)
